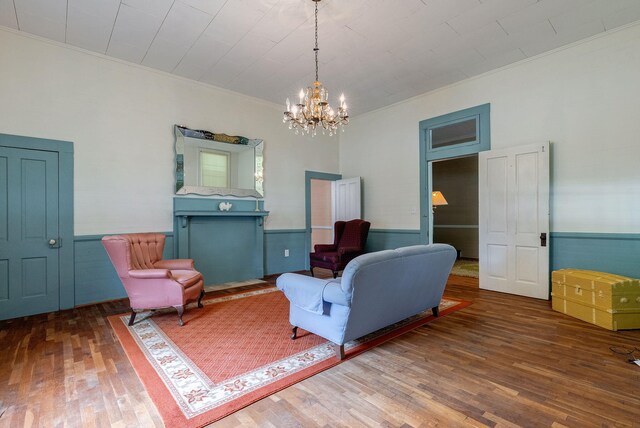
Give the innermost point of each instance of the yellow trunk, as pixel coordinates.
(610, 301)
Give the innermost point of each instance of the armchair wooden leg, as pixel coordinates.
(435, 311)
(133, 317)
(200, 305)
(180, 310)
(312, 272)
(294, 332)
(340, 352)
(335, 274)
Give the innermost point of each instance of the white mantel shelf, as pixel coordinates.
(185, 214)
(208, 213)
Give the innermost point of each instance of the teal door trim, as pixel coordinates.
(308, 176)
(480, 113)
(65, 206)
(428, 155)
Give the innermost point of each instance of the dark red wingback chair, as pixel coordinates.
(348, 243)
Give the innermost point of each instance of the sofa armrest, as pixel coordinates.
(303, 291)
(149, 273)
(175, 264)
(333, 294)
(324, 247)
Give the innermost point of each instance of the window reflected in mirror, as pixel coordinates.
(214, 169)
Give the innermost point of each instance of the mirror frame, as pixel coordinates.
(258, 145)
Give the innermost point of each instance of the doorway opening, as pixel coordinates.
(329, 198)
(455, 210)
(449, 144)
(315, 190)
(321, 213)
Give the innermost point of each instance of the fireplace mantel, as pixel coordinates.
(225, 245)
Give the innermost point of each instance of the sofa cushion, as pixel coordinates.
(186, 278)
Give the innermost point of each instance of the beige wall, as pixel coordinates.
(120, 118)
(584, 98)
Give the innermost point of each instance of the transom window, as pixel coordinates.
(456, 134)
(465, 131)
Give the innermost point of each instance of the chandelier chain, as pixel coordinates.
(316, 48)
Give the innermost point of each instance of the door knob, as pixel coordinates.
(543, 239)
(54, 243)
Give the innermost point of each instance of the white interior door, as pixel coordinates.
(514, 220)
(346, 199)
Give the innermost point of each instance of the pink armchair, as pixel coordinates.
(151, 282)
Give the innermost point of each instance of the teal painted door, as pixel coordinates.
(29, 282)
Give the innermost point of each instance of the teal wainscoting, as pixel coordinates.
(276, 242)
(617, 253)
(387, 239)
(95, 277)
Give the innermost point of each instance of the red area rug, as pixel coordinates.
(233, 352)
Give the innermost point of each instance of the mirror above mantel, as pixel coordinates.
(218, 164)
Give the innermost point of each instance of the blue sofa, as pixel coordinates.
(375, 290)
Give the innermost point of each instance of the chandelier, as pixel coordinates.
(313, 110)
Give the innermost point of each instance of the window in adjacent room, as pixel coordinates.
(214, 168)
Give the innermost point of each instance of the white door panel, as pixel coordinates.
(496, 258)
(346, 194)
(514, 212)
(497, 193)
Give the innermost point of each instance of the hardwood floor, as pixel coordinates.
(503, 361)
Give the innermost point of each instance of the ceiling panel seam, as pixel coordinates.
(158, 31)
(200, 36)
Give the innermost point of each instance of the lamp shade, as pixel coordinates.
(437, 198)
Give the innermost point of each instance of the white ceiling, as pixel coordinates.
(377, 51)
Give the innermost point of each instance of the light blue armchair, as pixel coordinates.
(375, 291)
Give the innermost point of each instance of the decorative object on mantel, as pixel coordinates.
(210, 164)
(314, 110)
(225, 206)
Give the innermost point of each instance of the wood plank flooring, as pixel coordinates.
(503, 361)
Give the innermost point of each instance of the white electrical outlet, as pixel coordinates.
(286, 253)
